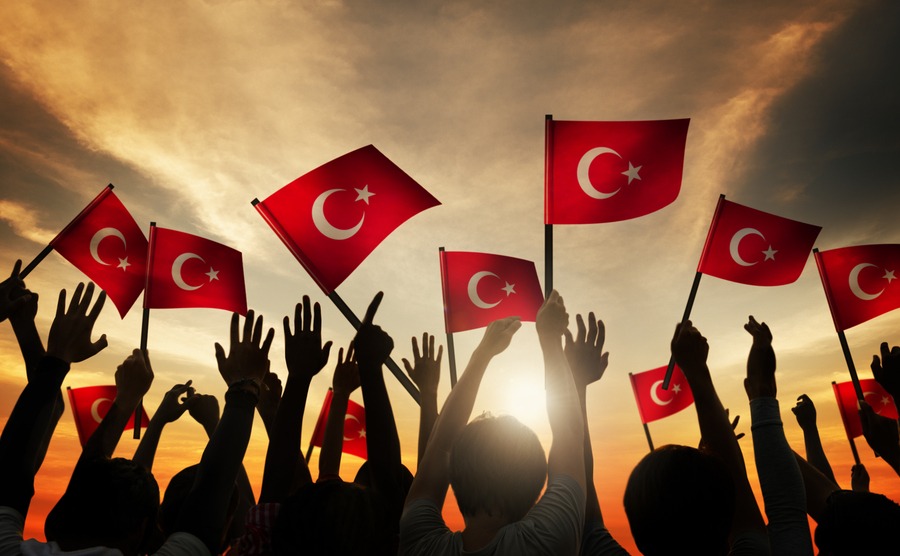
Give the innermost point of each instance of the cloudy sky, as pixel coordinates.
(194, 108)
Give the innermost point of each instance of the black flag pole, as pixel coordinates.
(646, 428)
(548, 183)
(145, 326)
(451, 349)
(844, 419)
(854, 377)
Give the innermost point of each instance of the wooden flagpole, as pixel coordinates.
(548, 198)
(451, 349)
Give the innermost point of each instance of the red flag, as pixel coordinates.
(105, 243)
(354, 427)
(90, 405)
(752, 247)
(859, 282)
(190, 271)
(882, 403)
(334, 216)
(655, 403)
(480, 288)
(610, 171)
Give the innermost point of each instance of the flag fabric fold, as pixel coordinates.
(610, 171)
(90, 404)
(331, 218)
(106, 244)
(185, 270)
(655, 403)
(480, 288)
(882, 403)
(354, 427)
(859, 282)
(753, 247)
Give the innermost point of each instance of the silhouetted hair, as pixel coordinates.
(497, 465)
(109, 502)
(680, 500)
(858, 523)
(177, 491)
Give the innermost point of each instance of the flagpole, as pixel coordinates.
(649, 440)
(844, 420)
(451, 349)
(640, 411)
(36, 261)
(354, 320)
(548, 182)
(145, 326)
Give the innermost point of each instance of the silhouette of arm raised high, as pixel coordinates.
(343, 383)
(805, 411)
(425, 372)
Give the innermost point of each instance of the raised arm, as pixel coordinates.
(305, 356)
(343, 383)
(805, 411)
(882, 435)
(269, 398)
(425, 372)
(886, 370)
(171, 408)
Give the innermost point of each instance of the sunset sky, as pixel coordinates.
(192, 109)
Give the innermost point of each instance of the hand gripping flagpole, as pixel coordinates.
(548, 198)
(844, 420)
(451, 350)
(145, 325)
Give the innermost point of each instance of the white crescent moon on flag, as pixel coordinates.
(854, 283)
(348, 416)
(324, 226)
(102, 234)
(176, 271)
(655, 396)
(736, 242)
(95, 408)
(584, 179)
(473, 290)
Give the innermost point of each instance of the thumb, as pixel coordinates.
(220, 354)
(569, 339)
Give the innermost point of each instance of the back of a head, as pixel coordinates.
(107, 503)
(497, 465)
(858, 523)
(680, 500)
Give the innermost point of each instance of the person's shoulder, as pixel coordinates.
(183, 544)
(423, 531)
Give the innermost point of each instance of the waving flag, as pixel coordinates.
(90, 405)
(354, 427)
(752, 247)
(611, 171)
(859, 282)
(190, 271)
(882, 403)
(105, 243)
(655, 403)
(480, 288)
(331, 218)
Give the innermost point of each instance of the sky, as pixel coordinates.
(192, 109)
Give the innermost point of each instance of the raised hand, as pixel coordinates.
(13, 295)
(690, 349)
(552, 319)
(859, 478)
(881, 433)
(887, 369)
(704, 446)
(760, 381)
(425, 371)
(204, 408)
(498, 335)
(133, 379)
(304, 353)
(70, 333)
(584, 351)
(346, 373)
(269, 398)
(248, 357)
(175, 402)
(805, 411)
(373, 345)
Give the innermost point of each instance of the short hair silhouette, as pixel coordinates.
(857, 523)
(680, 500)
(177, 491)
(497, 465)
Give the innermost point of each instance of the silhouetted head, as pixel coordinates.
(858, 523)
(109, 503)
(176, 494)
(680, 500)
(497, 467)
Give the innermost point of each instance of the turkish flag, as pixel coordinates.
(859, 282)
(105, 243)
(655, 403)
(90, 405)
(882, 403)
(610, 171)
(354, 427)
(480, 288)
(331, 218)
(752, 247)
(190, 271)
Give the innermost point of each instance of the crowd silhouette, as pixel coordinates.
(514, 498)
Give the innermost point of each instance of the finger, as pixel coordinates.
(286, 322)
(373, 308)
(601, 334)
(248, 326)
(76, 298)
(326, 350)
(257, 331)
(569, 339)
(95, 311)
(426, 352)
(17, 268)
(86, 299)
(340, 356)
(415, 345)
(440, 354)
(351, 352)
(298, 317)
(317, 318)
(885, 352)
(580, 331)
(220, 354)
(98, 346)
(592, 330)
(430, 347)
(235, 323)
(739, 436)
(307, 314)
(267, 343)
(61, 304)
(407, 366)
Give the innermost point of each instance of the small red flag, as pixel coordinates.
(354, 427)
(882, 403)
(610, 171)
(480, 288)
(655, 403)
(331, 218)
(90, 405)
(190, 271)
(752, 247)
(859, 282)
(105, 243)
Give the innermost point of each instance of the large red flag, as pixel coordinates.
(190, 271)
(752, 247)
(480, 288)
(610, 171)
(354, 427)
(882, 403)
(655, 403)
(334, 216)
(859, 282)
(90, 405)
(105, 243)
